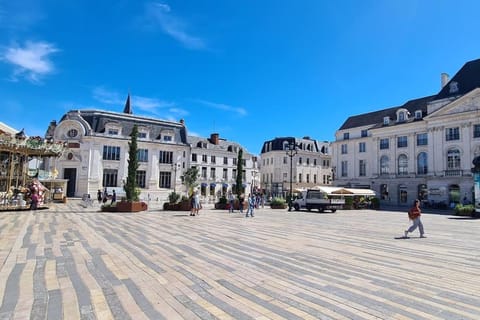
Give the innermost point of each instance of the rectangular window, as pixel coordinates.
(112, 132)
(234, 174)
(384, 144)
(142, 135)
(213, 159)
(314, 178)
(213, 174)
(165, 180)
(364, 133)
(111, 153)
(166, 157)
(308, 178)
(299, 160)
(346, 136)
(402, 142)
(344, 171)
(285, 176)
(140, 177)
(225, 160)
(142, 155)
(300, 177)
(308, 161)
(422, 139)
(235, 161)
(452, 134)
(204, 172)
(362, 168)
(225, 174)
(167, 138)
(194, 157)
(362, 147)
(344, 149)
(110, 177)
(284, 160)
(476, 131)
(314, 162)
(204, 158)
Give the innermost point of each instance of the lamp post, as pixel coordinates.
(174, 167)
(291, 150)
(254, 176)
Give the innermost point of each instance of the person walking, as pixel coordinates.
(251, 205)
(231, 201)
(240, 202)
(114, 197)
(99, 196)
(196, 197)
(414, 214)
(192, 205)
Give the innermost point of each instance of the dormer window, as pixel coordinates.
(112, 132)
(401, 116)
(346, 135)
(142, 135)
(418, 114)
(386, 121)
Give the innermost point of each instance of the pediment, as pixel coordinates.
(467, 103)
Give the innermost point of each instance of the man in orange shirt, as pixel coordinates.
(414, 214)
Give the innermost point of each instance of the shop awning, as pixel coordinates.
(213, 185)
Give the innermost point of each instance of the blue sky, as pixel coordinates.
(249, 70)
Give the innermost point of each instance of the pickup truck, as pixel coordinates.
(316, 199)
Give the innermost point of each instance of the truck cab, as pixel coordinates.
(317, 199)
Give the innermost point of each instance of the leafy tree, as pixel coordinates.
(190, 179)
(130, 186)
(239, 181)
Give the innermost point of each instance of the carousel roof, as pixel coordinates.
(32, 146)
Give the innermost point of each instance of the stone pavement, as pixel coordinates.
(71, 262)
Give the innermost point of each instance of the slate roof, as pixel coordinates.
(277, 143)
(466, 79)
(98, 119)
(222, 145)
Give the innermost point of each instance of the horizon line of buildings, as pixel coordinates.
(422, 149)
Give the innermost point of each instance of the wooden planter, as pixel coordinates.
(278, 206)
(181, 206)
(125, 206)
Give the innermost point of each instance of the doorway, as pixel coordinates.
(71, 175)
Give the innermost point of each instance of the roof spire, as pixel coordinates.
(127, 108)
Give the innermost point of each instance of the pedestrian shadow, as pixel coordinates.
(402, 238)
(464, 218)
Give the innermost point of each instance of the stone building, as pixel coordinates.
(311, 164)
(97, 155)
(421, 149)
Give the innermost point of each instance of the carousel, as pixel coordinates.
(22, 167)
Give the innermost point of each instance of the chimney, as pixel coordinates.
(214, 138)
(182, 122)
(444, 77)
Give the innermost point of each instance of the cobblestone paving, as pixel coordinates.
(71, 262)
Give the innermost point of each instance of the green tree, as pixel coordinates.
(130, 186)
(239, 181)
(190, 179)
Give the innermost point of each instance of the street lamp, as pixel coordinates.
(291, 150)
(254, 177)
(174, 167)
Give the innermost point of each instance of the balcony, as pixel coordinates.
(453, 173)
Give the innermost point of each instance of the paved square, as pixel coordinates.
(72, 262)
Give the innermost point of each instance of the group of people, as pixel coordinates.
(253, 202)
(102, 197)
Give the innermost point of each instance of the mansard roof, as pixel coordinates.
(96, 121)
(223, 144)
(277, 144)
(464, 81)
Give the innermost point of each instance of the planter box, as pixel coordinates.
(181, 206)
(279, 206)
(125, 206)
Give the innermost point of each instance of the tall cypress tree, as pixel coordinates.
(130, 186)
(239, 181)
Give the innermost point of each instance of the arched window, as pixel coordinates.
(384, 165)
(422, 163)
(402, 164)
(453, 159)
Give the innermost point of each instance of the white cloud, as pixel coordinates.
(162, 15)
(238, 110)
(31, 61)
(108, 97)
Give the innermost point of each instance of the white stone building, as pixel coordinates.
(311, 165)
(422, 149)
(97, 155)
(216, 161)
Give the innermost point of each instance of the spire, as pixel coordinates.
(127, 108)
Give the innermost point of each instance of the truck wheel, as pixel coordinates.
(296, 207)
(333, 210)
(320, 210)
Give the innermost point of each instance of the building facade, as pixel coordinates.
(302, 161)
(216, 161)
(97, 155)
(422, 149)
